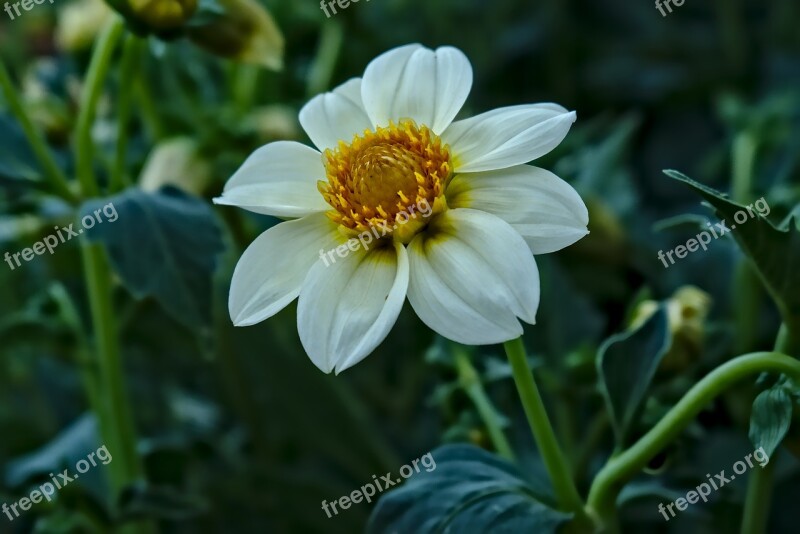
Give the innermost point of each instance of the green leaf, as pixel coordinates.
(774, 251)
(70, 446)
(771, 417)
(626, 366)
(162, 245)
(468, 490)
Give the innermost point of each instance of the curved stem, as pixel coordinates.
(557, 468)
(618, 470)
(471, 383)
(92, 88)
(52, 172)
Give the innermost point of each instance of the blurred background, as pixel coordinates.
(238, 431)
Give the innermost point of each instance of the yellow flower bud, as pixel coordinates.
(163, 14)
(246, 32)
(687, 311)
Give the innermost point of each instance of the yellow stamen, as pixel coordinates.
(384, 173)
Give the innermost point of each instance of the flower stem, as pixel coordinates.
(119, 426)
(52, 173)
(471, 382)
(759, 484)
(112, 408)
(93, 86)
(757, 501)
(557, 468)
(130, 55)
(322, 68)
(609, 481)
(746, 284)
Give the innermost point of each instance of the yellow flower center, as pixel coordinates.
(393, 178)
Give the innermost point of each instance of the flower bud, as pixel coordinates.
(687, 311)
(245, 32)
(79, 23)
(162, 17)
(176, 162)
(271, 123)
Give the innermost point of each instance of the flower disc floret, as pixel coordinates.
(383, 176)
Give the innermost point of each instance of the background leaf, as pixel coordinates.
(470, 490)
(775, 252)
(626, 364)
(163, 245)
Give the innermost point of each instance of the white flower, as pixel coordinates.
(388, 144)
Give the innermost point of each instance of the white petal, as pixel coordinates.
(347, 308)
(272, 269)
(338, 116)
(507, 136)
(542, 207)
(471, 277)
(413, 82)
(278, 179)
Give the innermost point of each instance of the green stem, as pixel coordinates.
(149, 110)
(114, 412)
(557, 468)
(730, 17)
(128, 65)
(93, 87)
(111, 398)
(609, 481)
(52, 172)
(330, 45)
(759, 485)
(757, 501)
(245, 87)
(746, 284)
(471, 382)
(109, 361)
(743, 155)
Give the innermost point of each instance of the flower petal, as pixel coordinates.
(347, 308)
(507, 136)
(471, 277)
(338, 116)
(278, 179)
(272, 269)
(542, 207)
(413, 82)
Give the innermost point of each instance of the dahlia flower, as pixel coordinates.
(397, 200)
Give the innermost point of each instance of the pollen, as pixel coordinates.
(393, 177)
